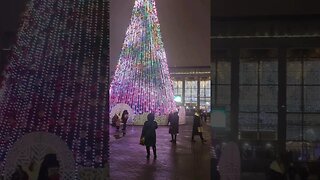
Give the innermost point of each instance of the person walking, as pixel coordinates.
(174, 126)
(197, 128)
(124, 119)
(277, 169)
(149, 135)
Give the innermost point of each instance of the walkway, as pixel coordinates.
(181, 161)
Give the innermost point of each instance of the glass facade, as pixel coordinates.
(221, 79)
(303, 101)
(258, 93)
(191, 93)
(205, 94)
(195, 92)
(221, 82)
(247, 83)
(178, 89)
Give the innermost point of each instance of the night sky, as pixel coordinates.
(9, 14)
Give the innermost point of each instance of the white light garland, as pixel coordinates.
(57, 80)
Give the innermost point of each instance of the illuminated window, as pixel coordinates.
(177, 88)
(205, 94)
(191, 90)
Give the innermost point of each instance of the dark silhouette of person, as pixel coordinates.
(203, 116)
(114, 120)
(19, 174)
(196, 125)
(277, 169)
(174, 127)
(292, 171)
(49, 168)
(303, 171)
(149, 134)
(124, 119)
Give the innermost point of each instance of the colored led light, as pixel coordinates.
(142, 78)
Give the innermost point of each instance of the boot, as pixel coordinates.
(148, 152)
(154, 152)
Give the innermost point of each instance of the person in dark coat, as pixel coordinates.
(115, 121)
(149, 134)
(196, 126)
(49, 169)
(124, 119)
(277, 169)
(174, 127)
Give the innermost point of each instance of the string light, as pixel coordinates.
(57, 78)
(142, 78)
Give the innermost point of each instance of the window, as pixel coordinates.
(258, 92)
(205, 93)
(303, 100)
(191, 92)
(221, 82)
(177, 87)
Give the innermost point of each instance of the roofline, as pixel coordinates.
(301, 17)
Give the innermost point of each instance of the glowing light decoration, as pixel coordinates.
(142, 78)
(178, 99)
(57, 77)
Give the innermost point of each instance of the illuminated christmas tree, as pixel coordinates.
(57, 77)
(142, 78)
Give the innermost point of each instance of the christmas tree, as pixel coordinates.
(142, 78)
(57, 77)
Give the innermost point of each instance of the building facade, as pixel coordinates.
(266, 75)
(192, 87)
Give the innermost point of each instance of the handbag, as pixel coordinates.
(200, 129)
(142, 141)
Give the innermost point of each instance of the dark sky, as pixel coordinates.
(185, 29)
(9, 14)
